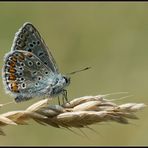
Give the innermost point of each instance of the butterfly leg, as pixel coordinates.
(65, 95)
(59, 100)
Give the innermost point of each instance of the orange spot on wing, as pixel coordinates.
(21, 57)
(14, 59)
(14, 87)
(12, 64)
(12, 77)
(12, 70)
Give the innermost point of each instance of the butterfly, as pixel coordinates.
(29, 68)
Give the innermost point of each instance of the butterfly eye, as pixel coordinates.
(67, 80)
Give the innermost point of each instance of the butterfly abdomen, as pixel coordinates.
(21, 98)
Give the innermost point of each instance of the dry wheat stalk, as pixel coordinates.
(79, 112)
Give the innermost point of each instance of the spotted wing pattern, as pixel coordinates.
(25, 75)
(29, 39)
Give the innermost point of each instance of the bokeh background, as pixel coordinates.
(111, 37)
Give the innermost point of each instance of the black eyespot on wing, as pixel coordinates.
(45, 63)
(30, 63)
(17, 54)
(22, 79)
(24, 30)
(21, 68)
(19, 42)
(34, 73)
(31, 45)
(30, 50)
(8, 63)
(38, 42)
(10, 58)
(23, 85)
(46, 72)
(34, 42)
(36, 84)
(22, 64)
(38, 63)
(21, 36)
(39, 78)
(40, 54)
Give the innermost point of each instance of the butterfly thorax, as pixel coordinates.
(58, 85)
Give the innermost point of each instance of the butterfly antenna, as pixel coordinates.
(71, 73)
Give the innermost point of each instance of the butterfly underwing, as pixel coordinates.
(29, 68)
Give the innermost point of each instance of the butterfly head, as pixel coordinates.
(67, 80)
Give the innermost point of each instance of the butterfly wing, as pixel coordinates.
(26, 76)
(29, 39)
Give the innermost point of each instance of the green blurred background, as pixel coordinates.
(112, 38)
